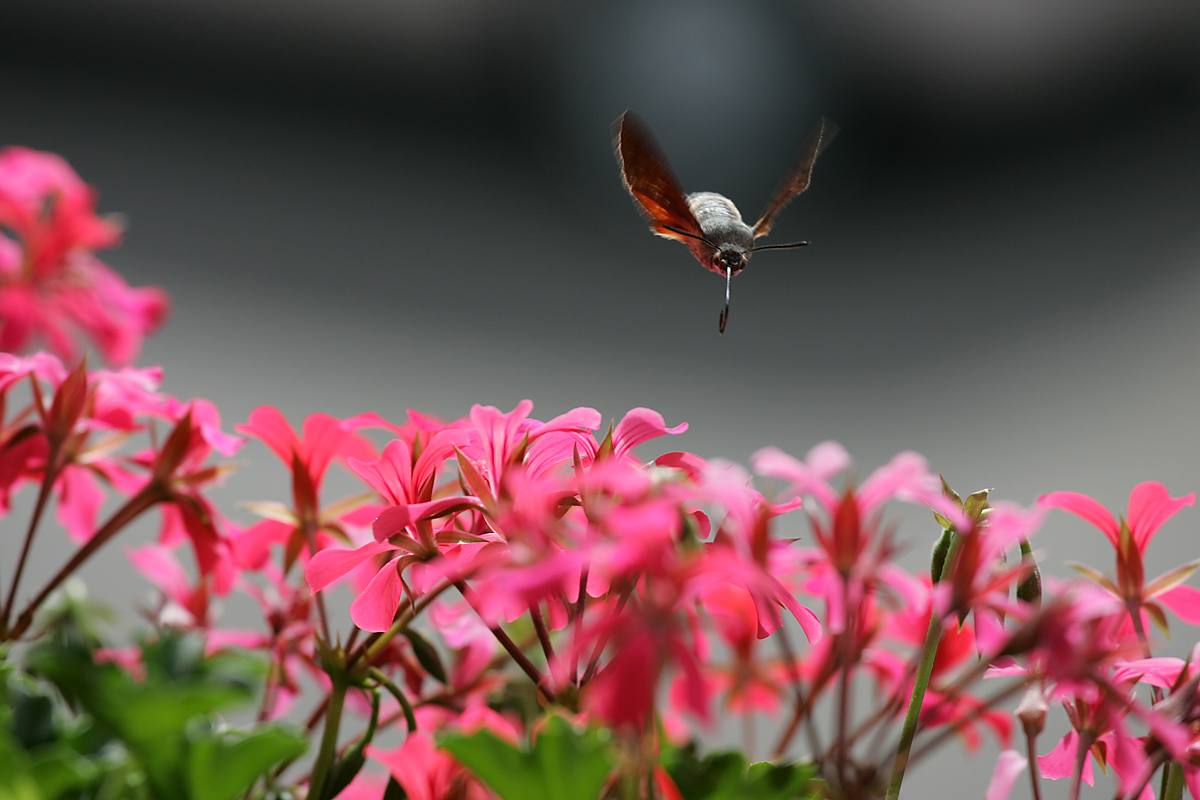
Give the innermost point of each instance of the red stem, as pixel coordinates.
(150, 495)
(49, 476)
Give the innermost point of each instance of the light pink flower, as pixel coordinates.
(51, 286)
(1009, 767)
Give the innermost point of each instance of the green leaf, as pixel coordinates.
(726, 776)
(16, 782)
(59, 769)
(33, 718)
(224, 766)
(394, 790)
(564, 764)
(765, 780)
(427, 655)
(151, 717)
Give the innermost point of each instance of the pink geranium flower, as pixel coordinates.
(1149, 507)
(305, 526)
(426, 773)
(51, 285)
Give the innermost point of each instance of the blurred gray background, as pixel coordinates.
(381, 205)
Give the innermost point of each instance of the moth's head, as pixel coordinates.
(731, 258)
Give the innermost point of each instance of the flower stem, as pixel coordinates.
(543, 633)
(383, 680)
(1174, 790)
(801, 707)
(920, 684)
(1086, 740)
(309, 529)
(1034, 771)
(375, 645)
(49, 476)
(333, 718)
(150, 495)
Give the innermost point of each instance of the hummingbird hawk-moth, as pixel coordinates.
(708, 223)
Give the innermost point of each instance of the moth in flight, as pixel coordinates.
(708, 223)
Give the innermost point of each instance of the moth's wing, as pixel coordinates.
(797, 177)
(650, 180)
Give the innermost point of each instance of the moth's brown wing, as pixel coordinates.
(796, 179)
(649, 178)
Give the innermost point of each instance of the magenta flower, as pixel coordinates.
(1149, 507)
(51, 286)
(308, 455)
(426, 773)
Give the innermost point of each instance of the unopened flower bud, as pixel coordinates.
(1032, 711)
(1029, 590)
(941, 550)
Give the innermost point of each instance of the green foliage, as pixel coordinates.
(104, 734)
(562, 764)
(348, 766)
(726, 776)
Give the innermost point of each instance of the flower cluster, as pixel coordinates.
(532, 599)
(52, 286)
(75, 433)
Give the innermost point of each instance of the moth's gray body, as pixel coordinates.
(722, 226)
(708, 223)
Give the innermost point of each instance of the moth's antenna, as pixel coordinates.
(779, 246)
(692, 235)
(725, 314)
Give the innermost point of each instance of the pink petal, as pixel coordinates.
(1172, 735)
(324, 438)
(329, 565)
(269, 425)
(437, 449)
(424, 772)
(906, 478)
(1184, 601)
(207, 420)
(252, 546)
(397, 518)
(581, 419)
(1191, 775)
(809, 622)
(391, 475)
(224, 443)
(557, 447)
(1008, 524)
(79, 501)
(499, 434)
(375, 609)
(690, 463)
(44, 366)
(1085, 508)
(1161, 671)
(1009, 767)
(1149, 507)
(159, 566)
(805, 480)
(827, 459)
(1060, 762)
(641, 425)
